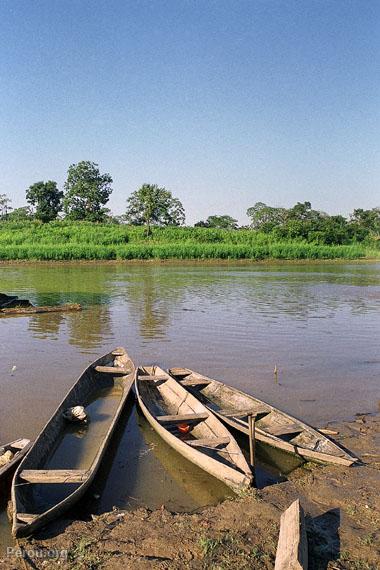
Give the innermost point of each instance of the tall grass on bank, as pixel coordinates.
(87, 241)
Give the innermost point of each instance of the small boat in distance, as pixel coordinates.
(18, 449)
(187, 426)
(273, 427)
(65, 457)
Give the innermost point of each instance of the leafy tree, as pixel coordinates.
(367, 219)
(5, 206)
(46, 198)
(87, 192)
(20, 214)
(265, 217)
(152, 205)
(221, 222)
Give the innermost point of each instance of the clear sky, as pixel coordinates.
(225, 103)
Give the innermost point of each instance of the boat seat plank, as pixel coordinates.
(20, 443)
(118, 352)
(26, 517)
(54, 475)
(195, 382)
(285, 429)
(178, 418)
(180, 371)
(151, 378)
(243, 413)
(209, 442)
(112, 370)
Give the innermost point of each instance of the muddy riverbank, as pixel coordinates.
(343, 520)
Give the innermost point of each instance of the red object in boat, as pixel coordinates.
(184, 428)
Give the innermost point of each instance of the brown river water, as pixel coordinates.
(317, 323)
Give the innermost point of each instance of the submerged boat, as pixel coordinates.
(29, 309)
(16, 450)
(187, 426)
(272, 426)
(49, 481)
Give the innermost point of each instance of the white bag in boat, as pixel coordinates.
(6, 458)
(75, 414)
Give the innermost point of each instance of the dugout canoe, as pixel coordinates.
(31, 310)
(19, 448)
(189, 428)
(273, 427)
(48, 482)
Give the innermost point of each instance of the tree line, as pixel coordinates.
(87, 192)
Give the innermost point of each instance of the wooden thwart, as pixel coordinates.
(54, 475)
(195, 382)
(179, 371)
(285, 429)
(292, 542)
(151, 378)
(209, 442)
(20, 443)
(26, 517)
(242, 413)
(182, 418)
(115, 370)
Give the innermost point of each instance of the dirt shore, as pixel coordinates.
(342, 506)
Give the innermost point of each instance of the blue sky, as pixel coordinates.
(225, 103)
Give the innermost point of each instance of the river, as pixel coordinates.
(317, 323)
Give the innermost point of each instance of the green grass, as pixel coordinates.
(88, 241)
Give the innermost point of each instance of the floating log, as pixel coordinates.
(292, 542)
(46, 309)
(327, 431)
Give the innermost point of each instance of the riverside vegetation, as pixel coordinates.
(153, 227)
(64, 240)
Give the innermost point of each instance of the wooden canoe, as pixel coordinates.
(48, 481)
(30, 310)
(273, 427)
(189, 428)
(19, 448)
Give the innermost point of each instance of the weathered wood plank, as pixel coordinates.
(195, 382)
(209, 442)
(33, 310)
(182, 418)
(241, 413)
(20, 443)
(54, 475)
(115, 370)
(151, 378)
(285, 429)
(118, 352)
(179, 371)
(292, 542)
(26, 517)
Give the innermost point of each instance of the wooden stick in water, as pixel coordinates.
(252, 442)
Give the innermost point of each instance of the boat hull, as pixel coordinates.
(237, 480)
(212, 397)
(88, 382)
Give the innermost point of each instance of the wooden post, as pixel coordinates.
(292, 542)
(252, 442)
